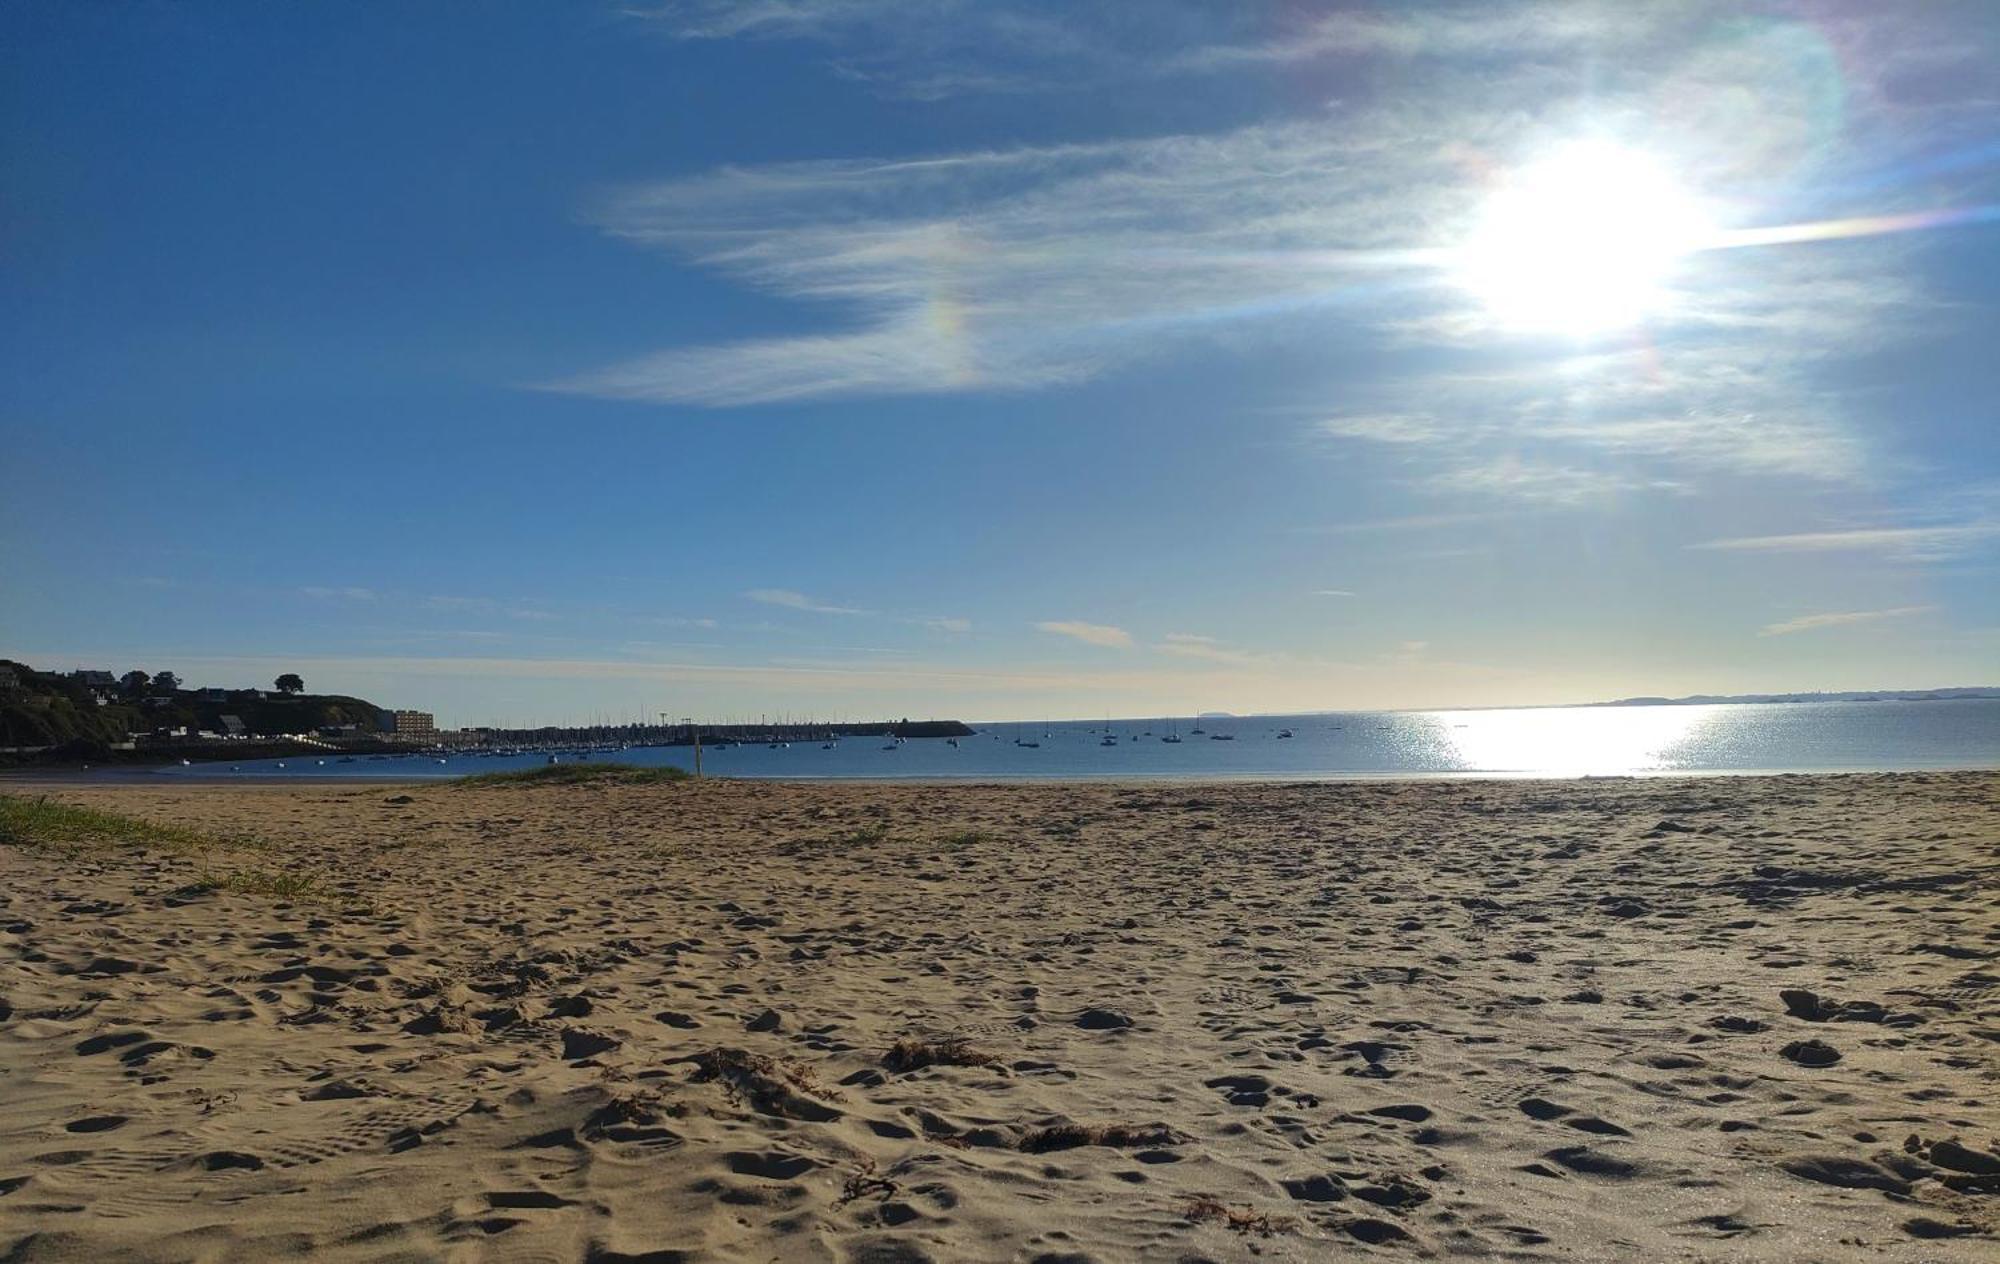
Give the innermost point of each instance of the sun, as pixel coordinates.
(1581, 242)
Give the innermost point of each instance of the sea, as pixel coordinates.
(1528, 742)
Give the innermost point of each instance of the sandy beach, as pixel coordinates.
(1728, 1018)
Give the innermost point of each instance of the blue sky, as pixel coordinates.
(547, 362)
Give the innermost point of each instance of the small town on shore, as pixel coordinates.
(99, 716)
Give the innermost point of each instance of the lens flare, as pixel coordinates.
(1584, 241)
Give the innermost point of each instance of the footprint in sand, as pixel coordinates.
(1810, 1053)
(95, 1123)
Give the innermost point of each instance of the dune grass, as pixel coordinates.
(45, 823)
(576, 775)
(283, 886)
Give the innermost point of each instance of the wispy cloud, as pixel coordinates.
(791, 600)
(1332, 592)
(776, 19)
(1930, 543)
(456, 604)
(1385, 428)
(1808, 623)
(350, 593)
(990, 270)
(1020, 268)
(1089, 633)
(1709, 402)
(1483, 28)
(936, 48)
(1189, 645)
(924, 50)
(1401, 522)
(1541, 483)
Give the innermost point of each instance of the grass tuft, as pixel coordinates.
(577, 775)
(43, 822)
(910, 1054)
(284, 886)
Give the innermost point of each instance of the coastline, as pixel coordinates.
(163, 776)
(1530, 1018)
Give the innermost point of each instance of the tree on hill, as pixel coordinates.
(290, 682)
(166, 682)
(134, 683)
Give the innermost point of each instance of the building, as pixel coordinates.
(232, 726)
(419, 726)
(103, 686)
(9, 679)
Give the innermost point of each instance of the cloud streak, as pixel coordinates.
(1021, 268)
(1813, 622)
(1099, 634)
(1032, 267)
(1912, 543)
(1188, 645)
(790, 600)
(1399, 523)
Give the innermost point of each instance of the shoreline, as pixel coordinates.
(162, 776)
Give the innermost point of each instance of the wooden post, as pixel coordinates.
(696, 730)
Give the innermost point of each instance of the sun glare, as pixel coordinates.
(1583, 241)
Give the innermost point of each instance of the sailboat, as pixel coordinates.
(1175, 735)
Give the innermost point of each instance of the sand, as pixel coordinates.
(1534, 1020)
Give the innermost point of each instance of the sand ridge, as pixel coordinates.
(1728, 1018)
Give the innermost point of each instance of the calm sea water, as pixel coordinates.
(1549, 741)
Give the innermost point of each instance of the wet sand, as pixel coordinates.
(1726, 1018)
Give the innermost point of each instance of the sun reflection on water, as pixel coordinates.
(1569, 742)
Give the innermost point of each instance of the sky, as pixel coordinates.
(538, 363)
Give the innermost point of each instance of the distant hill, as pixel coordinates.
(1857, 695)
(40, 708)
